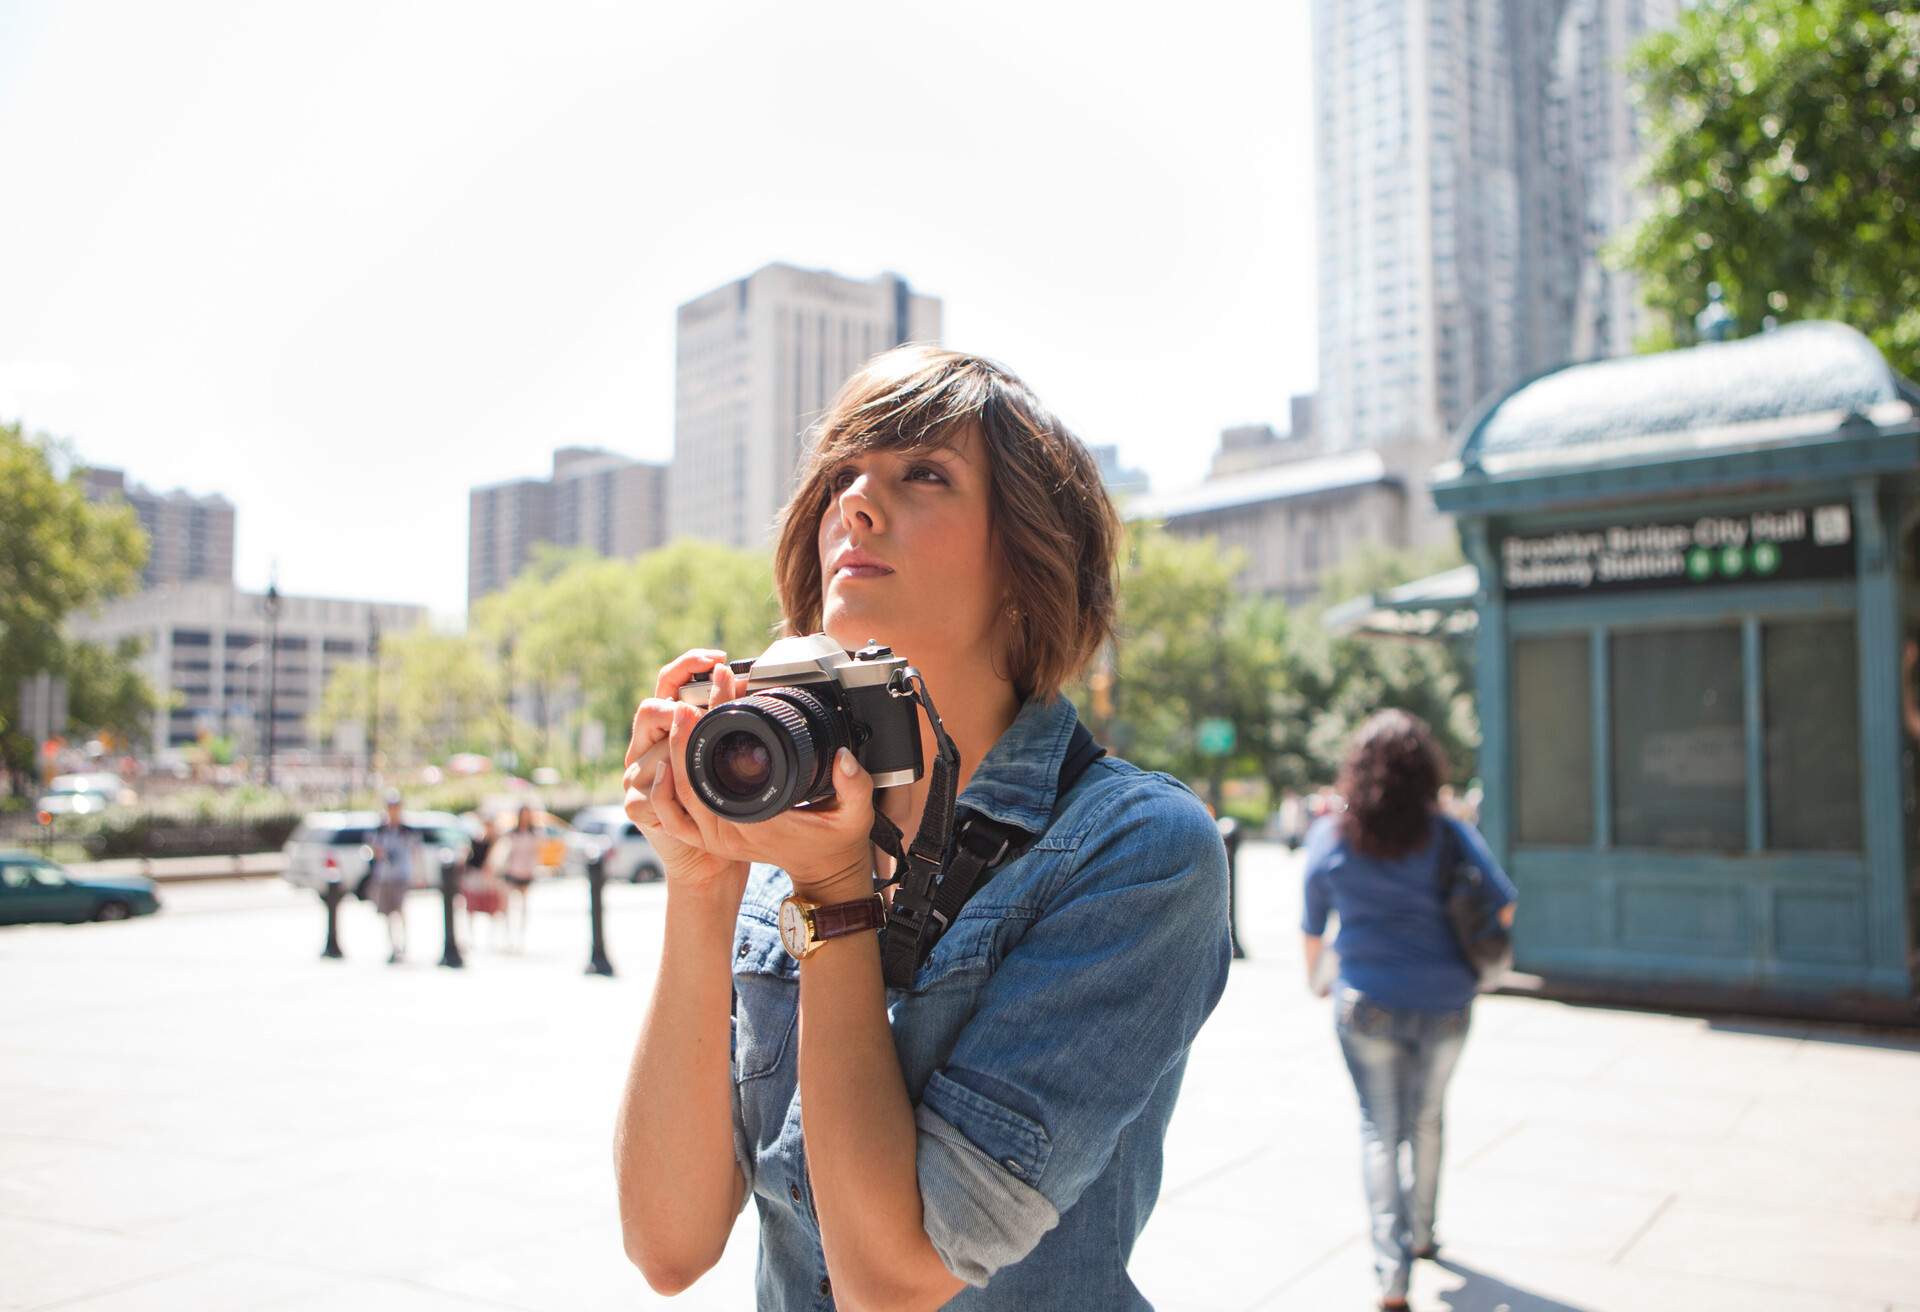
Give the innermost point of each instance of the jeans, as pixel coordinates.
(1400, 1062)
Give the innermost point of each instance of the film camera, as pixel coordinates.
(806, 698)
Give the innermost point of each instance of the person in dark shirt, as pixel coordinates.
(1404, 992)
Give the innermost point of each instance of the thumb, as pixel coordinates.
(852, 785)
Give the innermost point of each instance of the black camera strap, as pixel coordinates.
(954, 852)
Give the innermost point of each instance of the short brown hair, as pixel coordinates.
(1390, 781)
(1049, 514)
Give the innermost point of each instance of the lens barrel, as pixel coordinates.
(751, 759)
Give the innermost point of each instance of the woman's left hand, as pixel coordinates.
(824, 849)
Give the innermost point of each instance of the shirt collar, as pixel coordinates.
(1017, 782)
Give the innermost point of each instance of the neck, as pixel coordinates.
(976, 706)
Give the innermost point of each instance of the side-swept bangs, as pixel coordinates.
(1051, 519)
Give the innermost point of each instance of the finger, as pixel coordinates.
(650, 723)
(670, 814)
(675, 674)
(726, 684)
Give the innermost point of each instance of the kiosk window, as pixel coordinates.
(1812, 685)
(1553, 740)
(1679, 740)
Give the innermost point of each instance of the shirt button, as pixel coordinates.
(826, 1287)
(742, 952)
(793, 1192)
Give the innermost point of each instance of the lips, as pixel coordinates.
(857, 564)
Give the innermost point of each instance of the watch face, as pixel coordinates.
(793, 927)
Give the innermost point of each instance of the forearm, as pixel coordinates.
(679, 1186)
(1310, 947)
(861, 1140)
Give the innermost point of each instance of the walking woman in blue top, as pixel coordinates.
(1405, 991)
(989, 1134)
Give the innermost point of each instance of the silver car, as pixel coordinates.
(606, 830)
(338, 844)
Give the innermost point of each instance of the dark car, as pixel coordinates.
(34, 890)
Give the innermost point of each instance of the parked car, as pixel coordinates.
(84, 794)
(339, 843)
(34, 890)
(606, 830)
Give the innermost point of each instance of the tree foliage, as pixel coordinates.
(1783, 152)
(1192, 647)
(579, 638)
(58, 553)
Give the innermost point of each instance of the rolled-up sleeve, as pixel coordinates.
(1076, 1028)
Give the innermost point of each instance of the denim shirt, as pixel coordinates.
(1042, 1042)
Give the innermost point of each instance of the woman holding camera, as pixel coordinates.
(990, 1134)
(1405, 992)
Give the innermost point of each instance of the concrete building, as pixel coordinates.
(1122, 483)
(1472, 156)
(207, 654)
(756, 361)
(614, 505)
(189, 537)
(1299, 518)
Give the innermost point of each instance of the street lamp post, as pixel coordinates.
(273, 663)
(373, 722)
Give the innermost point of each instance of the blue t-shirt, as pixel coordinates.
(1395, 943)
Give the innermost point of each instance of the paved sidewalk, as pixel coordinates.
(197, 1113)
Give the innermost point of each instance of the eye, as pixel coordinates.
(842, 478)
(923, 472)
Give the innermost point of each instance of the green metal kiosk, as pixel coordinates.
(1696, 583)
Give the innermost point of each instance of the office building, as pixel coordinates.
(1473, 155)
(756, 362)
(189, 538)
(206, 654)
(608, 503)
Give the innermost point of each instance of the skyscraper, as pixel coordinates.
(756, 361)
(1472, 157)
(612, 504)
(189, 538)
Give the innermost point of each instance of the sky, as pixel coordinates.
(343, 262)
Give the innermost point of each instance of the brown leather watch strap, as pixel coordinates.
(839, 918)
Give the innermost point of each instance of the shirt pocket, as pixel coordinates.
(766, 999)
(962, 958)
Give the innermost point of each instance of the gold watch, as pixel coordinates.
(804, 926)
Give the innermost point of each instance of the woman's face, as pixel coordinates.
(906, 553)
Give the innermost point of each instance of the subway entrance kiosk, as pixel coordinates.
(1696, 594)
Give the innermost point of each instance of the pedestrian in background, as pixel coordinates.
(1404, 992)
(519, 862)
(480, 887)
(397, 853)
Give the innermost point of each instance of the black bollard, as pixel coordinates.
(331, 895)
(598, 964)
(449, 886)
(1230, 835)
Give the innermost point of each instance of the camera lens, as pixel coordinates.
(741, 764)
(752, 759)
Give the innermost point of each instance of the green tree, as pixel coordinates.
(1783, 152)
(439, 694)
(106, 690)
(58, 554)
(588, 635)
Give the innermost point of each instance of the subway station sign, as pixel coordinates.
(1761, 546)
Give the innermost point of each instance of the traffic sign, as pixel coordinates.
(1215, 736)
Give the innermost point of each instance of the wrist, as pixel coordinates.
(847, 884)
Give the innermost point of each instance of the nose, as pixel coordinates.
(858, 509)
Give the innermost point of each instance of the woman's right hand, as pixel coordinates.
(685, 866)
